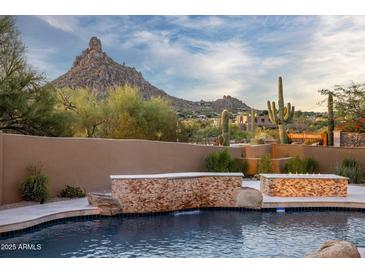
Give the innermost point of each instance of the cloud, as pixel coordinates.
(215, 69)
(62, 22)
(205, 57)
(198, 22)
(39, 60)
(334, 55)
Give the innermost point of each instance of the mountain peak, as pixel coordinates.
(94, 69)
(95, 44)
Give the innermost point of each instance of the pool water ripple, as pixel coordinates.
(200, 234)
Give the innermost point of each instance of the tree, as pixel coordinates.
(349, 105)
(87, 111)
(27, 106)
(129, 116)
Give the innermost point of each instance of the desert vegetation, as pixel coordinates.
(29, 105)
(351, 169)
(35, 185)
(121, 115)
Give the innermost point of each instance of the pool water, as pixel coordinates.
(231, 234)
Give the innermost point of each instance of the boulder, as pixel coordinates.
(108, 206)
(249, 198)
(335, 249)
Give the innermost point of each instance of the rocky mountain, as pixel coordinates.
(227, 102)
(96, 70)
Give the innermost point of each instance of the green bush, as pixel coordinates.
(72, 192)
(257, 141)
(34, 187)
(310, 165)
(264, 165)
(296, 165)
(220, 161)
(351, 169)
(243, 167)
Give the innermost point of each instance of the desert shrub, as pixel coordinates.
(264, 165)
(72, 192)
(240, 166)
(34, 187)
(266, 134)
(296, 165)
(244, 167)
(256, 141)
(220, 161)
(351, 169)
(310, 165)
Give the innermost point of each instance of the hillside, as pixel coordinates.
(96, 70)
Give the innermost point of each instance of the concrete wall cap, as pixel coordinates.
(301, 176)
(178, 175)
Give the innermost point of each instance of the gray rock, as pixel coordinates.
(335, 249)
(249, 198)
(105, 202)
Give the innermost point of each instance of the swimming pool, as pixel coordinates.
(198, 233)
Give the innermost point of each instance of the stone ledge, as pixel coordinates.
(302, 185)
(105, 202)
(139, 195)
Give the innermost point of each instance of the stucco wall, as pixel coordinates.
(327, 157)
(89, 162)
(256, 151)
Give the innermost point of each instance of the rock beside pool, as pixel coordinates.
(105, 202)
(249, 198)
(336, 249)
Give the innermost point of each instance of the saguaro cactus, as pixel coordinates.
(252, 121)
(224, 137)
(331, 120)
(282, 116)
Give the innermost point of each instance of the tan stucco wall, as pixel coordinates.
(89, 162)
(327, 157)
(256, 151)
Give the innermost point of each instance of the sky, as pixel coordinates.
(206, 57)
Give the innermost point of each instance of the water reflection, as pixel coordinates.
(195, 234)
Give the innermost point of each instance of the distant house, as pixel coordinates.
(202, 117)
(216, 122)
(243, 120)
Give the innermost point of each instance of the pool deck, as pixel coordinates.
(354, 199)
(28, 216)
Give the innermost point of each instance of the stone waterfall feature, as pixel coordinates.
(175, 191)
